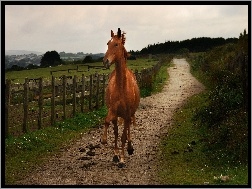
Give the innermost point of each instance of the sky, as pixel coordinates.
(86, 28)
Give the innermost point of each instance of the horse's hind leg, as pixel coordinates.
(130, 148)
(116, 151)
(120, 121)
(133, 118)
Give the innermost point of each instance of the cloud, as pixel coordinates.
(86, 28)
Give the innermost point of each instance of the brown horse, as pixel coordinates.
(122, 94)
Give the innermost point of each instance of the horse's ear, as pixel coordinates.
(119, 33)
(123, 38)
(112, 33)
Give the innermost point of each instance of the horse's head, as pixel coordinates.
(116, 49)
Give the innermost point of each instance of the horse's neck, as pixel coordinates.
(120, 68)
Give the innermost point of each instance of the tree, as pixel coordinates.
(88, 59)
(32, 66)
(16, 68)
(50, 58)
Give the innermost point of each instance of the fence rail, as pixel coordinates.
(39, 102)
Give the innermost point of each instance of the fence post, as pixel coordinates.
(26, 89)
(40, 102)
(7, 105)
(64, 97)
(90, 91)
(82, 93)
(53, 102)
(74, 94)
(97, 91)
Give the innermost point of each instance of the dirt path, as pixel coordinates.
(82, 166)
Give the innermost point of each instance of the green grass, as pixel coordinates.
(183, 159)
(24, 153)
(158, 81)
(19, 76)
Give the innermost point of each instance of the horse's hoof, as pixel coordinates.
(103, 141)
(130, 148)
(115, 159)
(121, 164)
(130, 151)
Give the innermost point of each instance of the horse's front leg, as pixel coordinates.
(116, 150)
(106, 125)
(127, 123)
(104, 136)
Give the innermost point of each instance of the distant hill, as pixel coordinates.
(21, 52)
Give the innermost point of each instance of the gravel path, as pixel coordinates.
(87, 162)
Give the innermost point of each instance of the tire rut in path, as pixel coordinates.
(87, 162)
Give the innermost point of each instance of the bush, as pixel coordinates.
(224, 116)
(88, 59)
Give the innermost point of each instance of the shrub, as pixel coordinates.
(224, 117)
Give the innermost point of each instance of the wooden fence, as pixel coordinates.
(39, 102)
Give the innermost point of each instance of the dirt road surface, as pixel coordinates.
(87, 162)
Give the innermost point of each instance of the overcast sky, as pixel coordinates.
(86, 28)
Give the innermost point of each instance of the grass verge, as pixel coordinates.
(158, 81)
(184, 160)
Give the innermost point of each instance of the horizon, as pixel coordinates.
(127, 50)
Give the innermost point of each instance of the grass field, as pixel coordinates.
(19, 76)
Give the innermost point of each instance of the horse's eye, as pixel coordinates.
(116, 44)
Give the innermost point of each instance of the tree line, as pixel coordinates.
(52, 58)
(201, 44)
